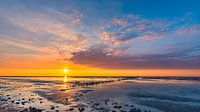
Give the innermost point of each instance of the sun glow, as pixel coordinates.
(65, 70)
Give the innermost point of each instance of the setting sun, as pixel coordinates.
(66, 70)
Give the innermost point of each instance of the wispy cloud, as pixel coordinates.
(47, 29)
(121, 31)
(191, 30)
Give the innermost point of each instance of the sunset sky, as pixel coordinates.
(100, 37)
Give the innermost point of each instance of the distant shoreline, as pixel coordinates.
(196, 78)
(109, 76)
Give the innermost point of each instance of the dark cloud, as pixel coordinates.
(96, 57)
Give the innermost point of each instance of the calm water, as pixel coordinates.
(168, 94)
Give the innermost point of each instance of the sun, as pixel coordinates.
(65, 70)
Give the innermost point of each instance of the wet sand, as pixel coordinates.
(111, 95)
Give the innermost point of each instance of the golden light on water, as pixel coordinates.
(65, 77)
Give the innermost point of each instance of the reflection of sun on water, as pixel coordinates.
(65, 77)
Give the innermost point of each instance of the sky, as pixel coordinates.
(100, 37)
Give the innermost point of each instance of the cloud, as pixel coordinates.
(119, 22)
(150, 36)
(48, 30)
(120, 32)
(191, 30)
(96, 57)
(135, 27)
